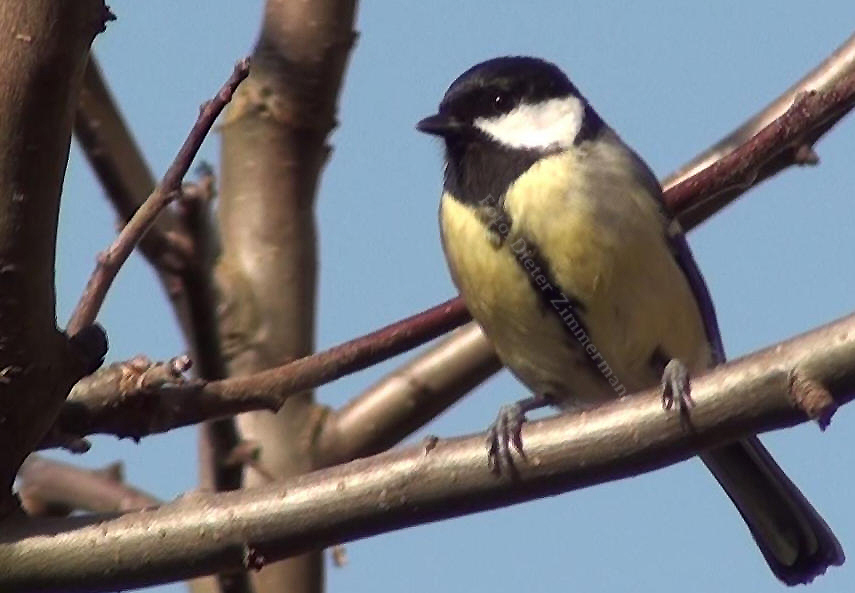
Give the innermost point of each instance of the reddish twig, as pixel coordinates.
(118, 164)
(100, 404)
(786, 141)
(839, 64)
(111, 260)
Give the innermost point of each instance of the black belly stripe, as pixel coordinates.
(554, 300)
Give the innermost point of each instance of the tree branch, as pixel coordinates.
(119, 400)
(120, 166)
(111, 260)
(192, 294)
(786, 141)
(839, 64)
(44, 45)
(45, 483)
(807, 376)
(178, 244)
(274, 148)
(51, 488)
(407, 399)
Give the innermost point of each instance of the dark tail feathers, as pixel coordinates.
(794, 539)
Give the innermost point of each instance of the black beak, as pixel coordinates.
(439, 125)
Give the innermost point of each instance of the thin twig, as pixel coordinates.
(119, 165)
(180, 245)
(839, 64)
(99, 404)
(786, 141)
(110, 261)
(437, 479)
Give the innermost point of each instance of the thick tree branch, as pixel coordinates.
(51, 488)
(111, 260)
(44, 45)
(273, 151)
(807, 376)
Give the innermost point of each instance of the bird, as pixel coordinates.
(558, 239)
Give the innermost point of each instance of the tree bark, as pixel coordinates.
(44, 46)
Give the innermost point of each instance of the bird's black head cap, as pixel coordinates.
(498, 85)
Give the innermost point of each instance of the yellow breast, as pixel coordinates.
(605, 245)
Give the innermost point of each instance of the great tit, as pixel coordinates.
(559, 242)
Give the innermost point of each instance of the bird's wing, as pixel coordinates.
(684, 258)
(686, 261)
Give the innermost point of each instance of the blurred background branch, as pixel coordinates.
(274, 147)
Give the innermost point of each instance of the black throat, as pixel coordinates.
(478, 171)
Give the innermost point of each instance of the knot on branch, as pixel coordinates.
(90, 345)
(813, 399)
(805, 155)
(253, 559)
(125, 398)
(105, 17)
(142, 374)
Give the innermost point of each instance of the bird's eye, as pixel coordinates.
(501, 102)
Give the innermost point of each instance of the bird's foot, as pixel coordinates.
(505, 433)
(676, 390)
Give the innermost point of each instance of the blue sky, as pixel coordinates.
(671, 78)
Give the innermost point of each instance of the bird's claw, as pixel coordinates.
(504, 435)
(676, 390)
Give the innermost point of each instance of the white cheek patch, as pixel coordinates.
(552, 123)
